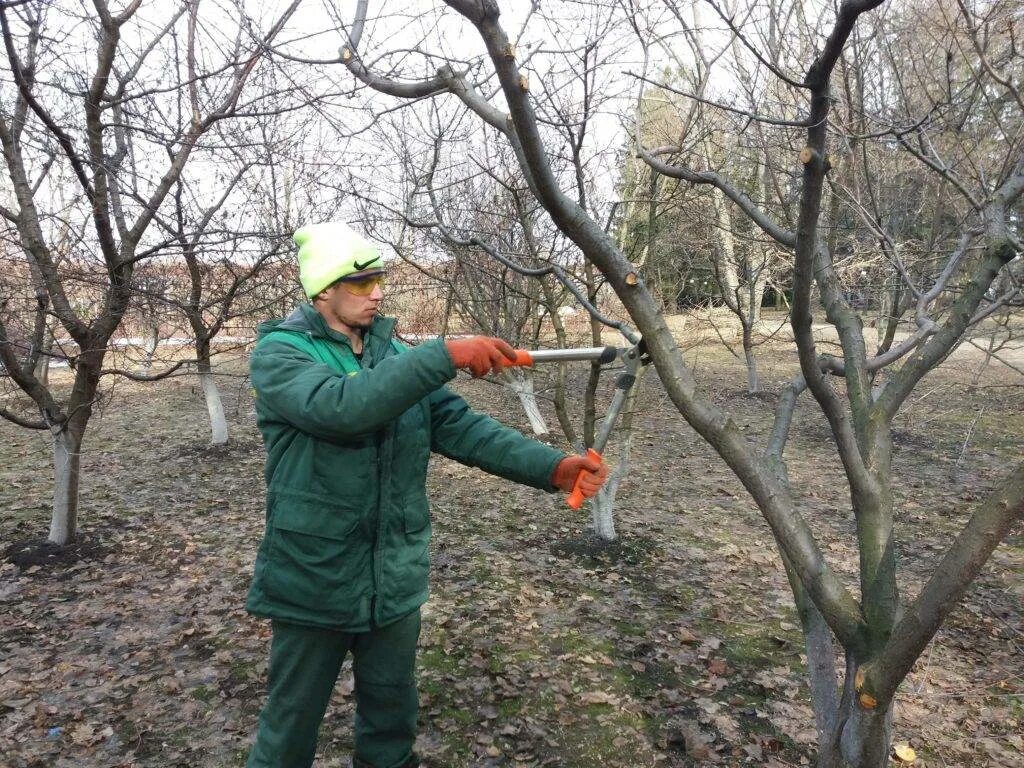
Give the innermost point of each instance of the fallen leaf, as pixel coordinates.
(598, 697)
(905, 753)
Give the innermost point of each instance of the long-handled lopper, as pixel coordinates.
(634, 359)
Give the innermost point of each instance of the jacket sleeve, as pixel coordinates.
(477, 440)
(312, 397)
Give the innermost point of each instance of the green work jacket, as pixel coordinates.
(348, 440)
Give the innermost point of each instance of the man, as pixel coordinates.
(349, 418)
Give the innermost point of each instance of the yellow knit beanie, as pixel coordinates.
(331, 250)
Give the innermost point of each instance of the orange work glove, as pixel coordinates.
(595, 472)
(480, 354)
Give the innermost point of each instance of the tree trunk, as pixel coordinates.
(753, 381)
(821, 660)
(593, 379)
(726, 274)
(67, 445)
(42, 369)
(218, 421)
(865, 738)
(561, 408)
(522, 384)
(602, 506)
(889, 318)
(150, 352)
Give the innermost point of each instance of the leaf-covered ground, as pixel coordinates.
(678, 646)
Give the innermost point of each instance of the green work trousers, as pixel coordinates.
(304, 666)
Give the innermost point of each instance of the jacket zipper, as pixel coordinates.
(379, 439)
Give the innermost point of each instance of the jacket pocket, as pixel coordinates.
(409, 558)
(309, 514)
(319, 560)
(416, 513)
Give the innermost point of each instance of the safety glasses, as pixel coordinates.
(362, 286)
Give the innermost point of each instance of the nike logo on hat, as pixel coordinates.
(360, 267)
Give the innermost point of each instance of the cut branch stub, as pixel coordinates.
(865, 699)
(346, 54)
(808, 155)
(632, 279)
(510, 51)
(524, 82)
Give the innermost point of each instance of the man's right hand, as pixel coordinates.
(480, 354)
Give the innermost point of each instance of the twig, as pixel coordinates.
(963, 449)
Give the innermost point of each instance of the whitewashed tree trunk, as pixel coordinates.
(67, 445)
(150, 352)
(602, 506)
(753, 380)
(522, 384)
(218, 421)
(744, 303)
(757, 293)
(42, 369)
(725, 254)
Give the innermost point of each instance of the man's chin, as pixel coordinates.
(365, 325)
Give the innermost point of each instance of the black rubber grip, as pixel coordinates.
(625, 381)
(609, 354)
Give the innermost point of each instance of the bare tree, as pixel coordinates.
(229, 245)
(101, 126)
(881, 635)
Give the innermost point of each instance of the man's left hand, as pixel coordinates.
(595, 472)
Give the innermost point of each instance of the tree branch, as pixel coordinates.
(724, 107)
(748, 206)
(24, 89)
(22, 422)
(145, 377)
(960, 565)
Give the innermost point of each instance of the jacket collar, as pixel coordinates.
(305, 319)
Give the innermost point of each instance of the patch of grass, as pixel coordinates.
(510, 707)
(459, 715)
(656, 676)
(580, 643)
(435, 666)
(243, 669)
(1016, 707)
(437, 659)
(480, 569)
(628, 628)
(755, 650)
(589, 741)
(203, 694)
(525, 654)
